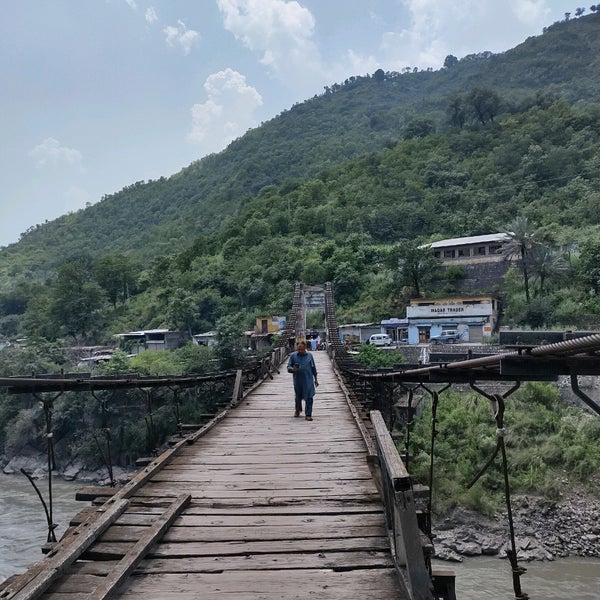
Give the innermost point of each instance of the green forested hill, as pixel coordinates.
(359, 116)
(359, 224)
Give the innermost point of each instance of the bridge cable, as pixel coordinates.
(498, 407)
(48, 406)
(106, 456)
(149, 419)
(435, 395)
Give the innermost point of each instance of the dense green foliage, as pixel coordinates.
(344, 226)
(361, 115)
(373, 357)
(548, 444)
(78, 421)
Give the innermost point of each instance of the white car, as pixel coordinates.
(380, 339)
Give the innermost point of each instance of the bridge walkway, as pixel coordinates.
(280, 508)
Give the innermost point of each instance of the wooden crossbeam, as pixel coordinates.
(137, 553)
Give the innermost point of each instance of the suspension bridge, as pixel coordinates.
(256, 503)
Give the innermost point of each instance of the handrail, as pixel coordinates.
(401, 515)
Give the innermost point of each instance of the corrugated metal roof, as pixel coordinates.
(144, 332)
(474, 239)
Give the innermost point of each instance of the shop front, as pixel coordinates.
(457, 320)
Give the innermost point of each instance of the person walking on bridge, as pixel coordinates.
(302, 366)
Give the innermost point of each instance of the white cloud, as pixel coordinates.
(131, 3)
(151, 16)
(281, 31)
(529, 11)
(227, 113)
(359, 64)
(181, 36)
(436, 28)
(50, 153)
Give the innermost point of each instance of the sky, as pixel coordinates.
(98, 94)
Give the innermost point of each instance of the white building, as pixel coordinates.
(473, 317)
(473, 249)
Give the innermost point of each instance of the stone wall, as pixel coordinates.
(480, 277)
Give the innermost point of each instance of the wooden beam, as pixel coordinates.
(388, 454)
(136, 554)
(39, 577)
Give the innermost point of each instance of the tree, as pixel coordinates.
(456, 112)
(521, 235)
(418, 128)
(76, 300)
(485, 104)
(450, 61)
(379, 76)
(546, 264)
(116, 275)
(416, 264)
(589, 265)
(229, 342)
(182, 310)
(347, 282)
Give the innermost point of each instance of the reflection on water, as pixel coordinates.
(23, 528)
(563, 579)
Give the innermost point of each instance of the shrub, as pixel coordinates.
(546, 442)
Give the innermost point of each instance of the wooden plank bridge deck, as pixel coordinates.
(280, 508)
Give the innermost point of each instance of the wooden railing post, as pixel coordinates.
(238, 389)
(401, 515)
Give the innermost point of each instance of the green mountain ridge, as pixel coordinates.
(362, 115)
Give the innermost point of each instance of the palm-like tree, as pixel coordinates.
(546, 264)
(521, 240)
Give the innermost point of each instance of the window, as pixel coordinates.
(481, 250)
(448, 253)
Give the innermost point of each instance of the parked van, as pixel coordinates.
(380, 339)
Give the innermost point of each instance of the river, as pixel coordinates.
(23, 531)
(23, 528)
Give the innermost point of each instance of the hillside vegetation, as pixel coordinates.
(360, 225)
(363, 114)
(344, 187)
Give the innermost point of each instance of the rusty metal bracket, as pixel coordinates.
(580, 394)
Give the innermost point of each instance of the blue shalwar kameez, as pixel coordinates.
(304, 386)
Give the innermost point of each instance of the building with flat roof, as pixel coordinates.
(472, 249)
(474, 318)
(151, 339)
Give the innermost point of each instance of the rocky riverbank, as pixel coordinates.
(544, 530)
(37, 467)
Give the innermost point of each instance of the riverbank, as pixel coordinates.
(544, 530)
(75, 470)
